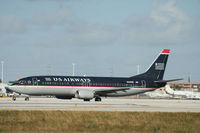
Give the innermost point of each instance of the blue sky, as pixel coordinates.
(102, 37)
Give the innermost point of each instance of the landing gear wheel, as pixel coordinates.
(86, 99)
(26, 98)
(98, 99)
(14, 98)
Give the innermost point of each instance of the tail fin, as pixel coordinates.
(157, 69)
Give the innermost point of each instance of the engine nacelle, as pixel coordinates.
(84, 94)
(64, 97)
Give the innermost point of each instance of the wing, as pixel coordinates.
(112, 90)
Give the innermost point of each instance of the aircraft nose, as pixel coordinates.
(8, 90)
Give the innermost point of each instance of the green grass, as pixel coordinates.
(98, 122)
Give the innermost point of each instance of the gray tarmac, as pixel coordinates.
(107, 104)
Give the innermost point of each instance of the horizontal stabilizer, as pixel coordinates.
(165, 81)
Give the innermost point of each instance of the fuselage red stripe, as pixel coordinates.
(82, 86)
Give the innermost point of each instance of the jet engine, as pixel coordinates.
(84, 94)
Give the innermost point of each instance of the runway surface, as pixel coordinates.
(107, 104)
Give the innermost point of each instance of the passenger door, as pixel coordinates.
(35, 81)
(143, 83)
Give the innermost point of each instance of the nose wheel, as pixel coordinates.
(14, 97)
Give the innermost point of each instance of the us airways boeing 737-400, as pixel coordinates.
(87, 88)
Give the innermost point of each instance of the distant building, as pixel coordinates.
(185, 86)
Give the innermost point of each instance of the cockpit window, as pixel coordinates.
(29, 82)
(22, 82)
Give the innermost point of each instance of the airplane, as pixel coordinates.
(87, 88)
(158, 94)
(182, 94)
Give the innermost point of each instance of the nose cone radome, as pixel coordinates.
(11, 89)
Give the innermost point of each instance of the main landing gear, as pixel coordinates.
(26, 98)
(97, 99)
(86, 100)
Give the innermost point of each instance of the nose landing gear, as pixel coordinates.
(14, 98)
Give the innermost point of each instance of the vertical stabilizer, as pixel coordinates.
(157, 69)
